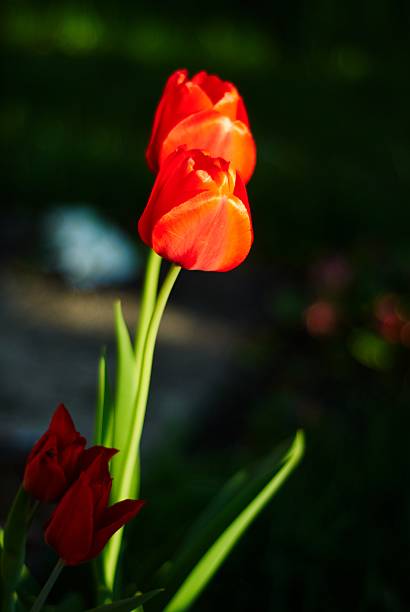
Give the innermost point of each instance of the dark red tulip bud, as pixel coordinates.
(54, 461)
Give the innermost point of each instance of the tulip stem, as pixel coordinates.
(144, 382)
(129, 486)
(45, 591)
(149, 295)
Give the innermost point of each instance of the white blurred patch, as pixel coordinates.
(87, 250)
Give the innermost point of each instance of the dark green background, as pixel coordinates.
(327, 88)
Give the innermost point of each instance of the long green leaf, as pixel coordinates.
(14, 548)
(237, 493)
(126, 605)
(210, 562)
(27, 586)
(104, 426)
(104, 410)
(126, 387)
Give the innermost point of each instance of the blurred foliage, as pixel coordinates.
(327, 89)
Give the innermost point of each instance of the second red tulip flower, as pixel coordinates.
(82, 523)
(198, 213)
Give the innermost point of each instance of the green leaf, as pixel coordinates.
(14, 540)
(237, 493)
(27, 587)
(235, 509)
(126, 605)
(14, 547)
(126, 388)
(104, 412)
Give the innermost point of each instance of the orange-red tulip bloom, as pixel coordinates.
(54, 461)
(198, 213)
(82, 523)
(202, 113)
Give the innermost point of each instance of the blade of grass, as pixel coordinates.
(236, 494)
(104, 415)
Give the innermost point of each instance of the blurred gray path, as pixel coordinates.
(51, 339)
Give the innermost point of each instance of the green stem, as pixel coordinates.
(149, 295)
(45, 591)
(147, 304)
(148, 300)
(128, 486)
(145, 379)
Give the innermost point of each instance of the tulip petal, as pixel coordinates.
(218, 135)
(242, 114)
(223, 94)
(71, 526)
(112, 519)
(240, 192)
(209, 232)
(70, 457)
(44, 477)
(95, 465)
(62, 426)
(212, 85)
(176, 183)
(179, 99)
(228, 105)
(92, 453)
(38, 446)
(53, 462)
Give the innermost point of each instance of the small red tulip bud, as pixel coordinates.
(54, 462)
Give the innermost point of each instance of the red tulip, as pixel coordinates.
(198, 213)
(82, 524)
(54, 461)
(202, 113)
